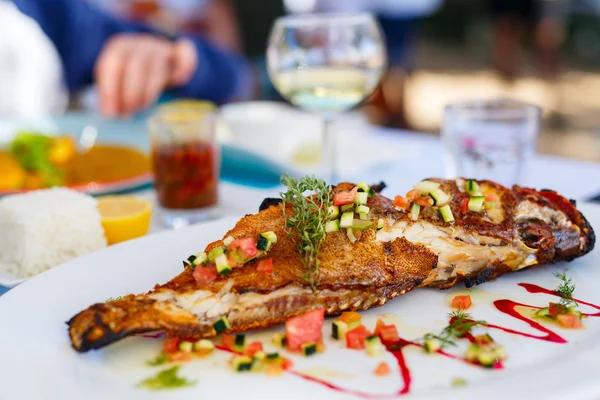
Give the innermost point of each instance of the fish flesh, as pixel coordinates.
(525, 228)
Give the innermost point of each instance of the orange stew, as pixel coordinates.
(186, 175)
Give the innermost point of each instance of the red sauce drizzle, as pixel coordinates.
(531, 288)
(504, 305)
(508, 307)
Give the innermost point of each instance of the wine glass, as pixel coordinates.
(326, 64)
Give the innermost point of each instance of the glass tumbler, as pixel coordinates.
(489, 139)
(186, 163)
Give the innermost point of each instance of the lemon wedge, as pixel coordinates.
(124, 217)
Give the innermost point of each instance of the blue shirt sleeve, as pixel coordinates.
(79, 32)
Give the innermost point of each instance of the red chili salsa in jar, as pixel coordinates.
(186, 174)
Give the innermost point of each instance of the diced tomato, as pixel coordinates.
(412, 195)
(304, 329)
(343, 198)
(228, 341)
(555, 309)
(265, 266)
(287, 363)
(424, 201)
(464, 205)
(253, 348)
(171, 345)
(273, 369)
(355, 339)
(380, 324)
(570, 321)
(388, 334)
(483, 340)
(232, 260)
(204, 276)
(248, 247)
(491, 197)
(462, 302)
(382, 369)
(351, 318)
(357, 234)
(401, 202)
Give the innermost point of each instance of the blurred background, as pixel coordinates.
(542, 51)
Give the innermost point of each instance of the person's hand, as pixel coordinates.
(134, 69)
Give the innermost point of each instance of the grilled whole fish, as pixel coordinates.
(525, 228)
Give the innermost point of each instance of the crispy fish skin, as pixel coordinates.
(352, 277)
(527, 228)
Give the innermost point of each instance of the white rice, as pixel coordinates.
(45, 228)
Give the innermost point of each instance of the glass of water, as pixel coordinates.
(489, 139)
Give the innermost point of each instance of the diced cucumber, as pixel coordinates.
(487, 358)
(476, 203)
(371, 192)
(380, 224)
(240, 342)
(363, 187)
(228, 240)
(473, 352)
(204, 345)
(241, 363)
(346, 219)
(332, 226)
(362, 210)
(201, 257)
(490, 205)
(360, 198)
(374, 346)
(272, 356)
(439, 197)
(258, 360)
(500, 353)
(333, 212)
(432, 345)
(186, 346)
(338, 330)
(350, 234)
(363, 217)
(446, 213)
(279, 340)
(472, 188)
(214, 253)
(308, 349)
(263, 244)
(415, 209)
(222, 263)
(270, 236)
(543, 312)
(191, 259)
(347, 207)
(221, 325)
(426, 187)
(361, 225)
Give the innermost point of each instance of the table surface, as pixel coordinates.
(421, 158)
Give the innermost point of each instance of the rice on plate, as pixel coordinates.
(42, 229)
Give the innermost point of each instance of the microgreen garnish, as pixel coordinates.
(461, 323)
(113, 299)
(160, 359)
(166, 379)
(308, 218)
(565, 290)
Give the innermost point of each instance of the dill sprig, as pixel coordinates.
(461, 323)
(310, 198)
(565, 290)
(113, 299)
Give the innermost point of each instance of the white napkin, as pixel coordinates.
(31, 75)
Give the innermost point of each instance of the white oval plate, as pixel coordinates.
(37, 361)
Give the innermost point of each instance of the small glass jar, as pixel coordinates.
(186, 161)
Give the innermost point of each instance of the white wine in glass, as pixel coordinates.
(326, 64)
